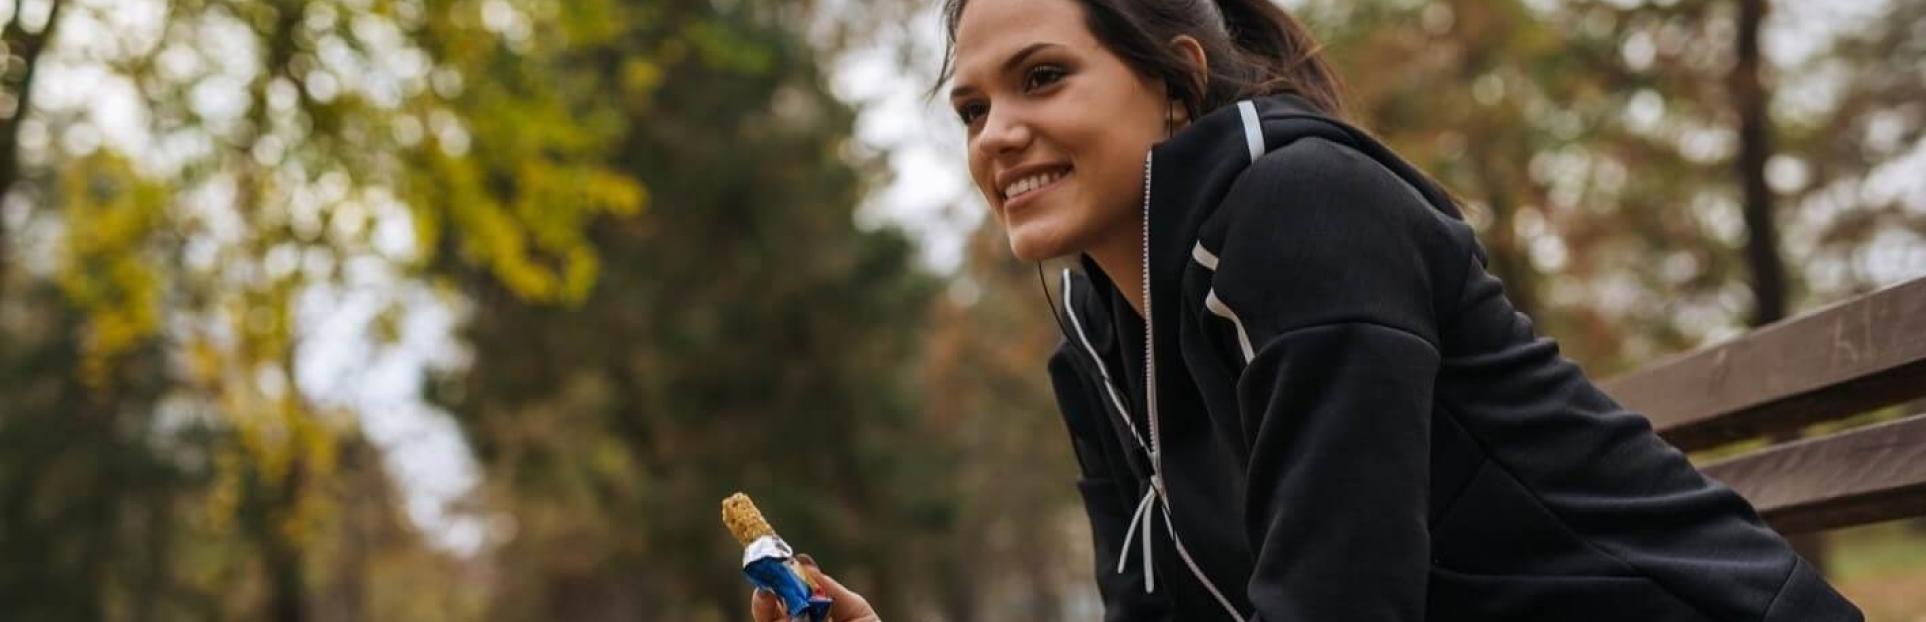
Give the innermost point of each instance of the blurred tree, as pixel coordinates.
(1750, 100)
(24, 42)
(742, 334)
(1851, 128)
(1608, 165)
(82, 494)
(1020, 545)
(155, 353)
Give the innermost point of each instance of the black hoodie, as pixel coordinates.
(1345, 419)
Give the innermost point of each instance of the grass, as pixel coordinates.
(1882, 568)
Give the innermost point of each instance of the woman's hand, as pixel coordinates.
(848, 606)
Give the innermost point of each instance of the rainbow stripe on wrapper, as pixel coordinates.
(769, 563)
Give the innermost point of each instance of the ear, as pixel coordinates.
(1192, 51)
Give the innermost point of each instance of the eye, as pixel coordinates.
(1043, 75)
(969, 112)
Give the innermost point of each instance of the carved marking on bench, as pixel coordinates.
(1837, 361)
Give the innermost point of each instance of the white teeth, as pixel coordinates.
(1031, 183)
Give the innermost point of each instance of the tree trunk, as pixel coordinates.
(1750, 100)
(269, 500)
(24, 47)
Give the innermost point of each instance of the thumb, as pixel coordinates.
(765, 607)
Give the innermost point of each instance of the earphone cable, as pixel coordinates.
(1055, 313)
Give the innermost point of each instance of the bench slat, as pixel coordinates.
(1848, 358)
(1861, 476)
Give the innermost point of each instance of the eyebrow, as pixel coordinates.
(1008, 63)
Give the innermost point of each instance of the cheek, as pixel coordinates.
(980, 178)
(1110, 174)
(1107, 135)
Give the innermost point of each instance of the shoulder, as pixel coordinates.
(1316, 231)
(1323, 187)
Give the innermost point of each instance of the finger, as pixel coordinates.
(846, 605)
(765, 607)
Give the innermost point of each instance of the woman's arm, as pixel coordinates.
(1103, 497)
(1338, 421)
(1337, 272)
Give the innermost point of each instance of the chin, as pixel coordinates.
(1027, 255)
(1030, 245)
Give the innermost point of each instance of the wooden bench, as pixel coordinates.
(1832, 364)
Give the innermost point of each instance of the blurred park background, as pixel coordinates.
(475, 309)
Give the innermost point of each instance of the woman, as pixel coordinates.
(1315, 403)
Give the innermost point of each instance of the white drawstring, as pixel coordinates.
(1142, 517)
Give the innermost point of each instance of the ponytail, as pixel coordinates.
(1288, 58)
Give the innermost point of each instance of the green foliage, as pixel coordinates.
(519, 173)
(742, 334)
(107, 266)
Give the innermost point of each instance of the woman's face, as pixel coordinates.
(1058, 126)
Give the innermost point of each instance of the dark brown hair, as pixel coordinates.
(1252, 47)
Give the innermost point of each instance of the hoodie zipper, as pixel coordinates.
(1157, 492)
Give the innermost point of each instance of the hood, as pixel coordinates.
(1192, 171)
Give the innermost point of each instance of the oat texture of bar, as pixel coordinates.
(770, 564)
(742, 518)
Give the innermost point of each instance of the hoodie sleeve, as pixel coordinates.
(1103, 496)
(1331, 273)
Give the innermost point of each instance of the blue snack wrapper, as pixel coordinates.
(769, 564)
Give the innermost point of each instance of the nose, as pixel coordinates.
(1004, 132)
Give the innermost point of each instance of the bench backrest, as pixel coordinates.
(1847, 359)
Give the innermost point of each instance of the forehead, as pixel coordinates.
(989, 31)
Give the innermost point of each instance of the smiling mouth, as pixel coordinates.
(1034, 184)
